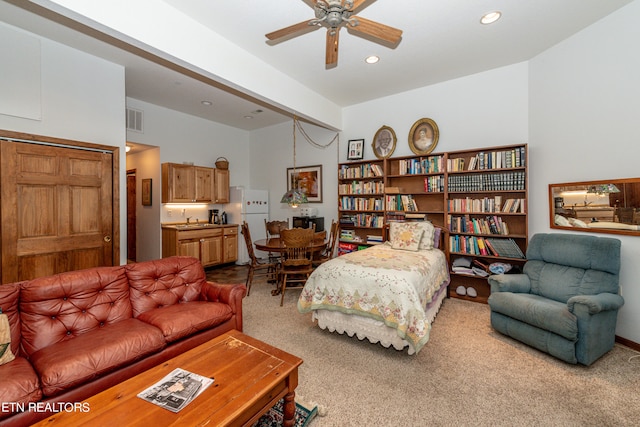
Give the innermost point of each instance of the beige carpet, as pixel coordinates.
(466, 375)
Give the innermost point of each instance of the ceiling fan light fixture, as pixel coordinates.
(372, 59)
(491, 17)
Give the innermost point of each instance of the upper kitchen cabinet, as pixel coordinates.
(221, 185)
(187, 183)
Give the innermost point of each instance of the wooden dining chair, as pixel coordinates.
(273, 229)
(296, 264)
(257, 266)
(329, 250)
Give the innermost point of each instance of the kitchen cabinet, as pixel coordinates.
(211, 244)
(221, 180)
(204, 243)
(187, 183)
(230, 244)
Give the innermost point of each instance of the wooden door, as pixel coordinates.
(131, 216)
(178, 183)
(222, 185)
(189, 247)
(57, 210)
(211, 248)
(204, 184)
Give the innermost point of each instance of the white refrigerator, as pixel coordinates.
(251, 206)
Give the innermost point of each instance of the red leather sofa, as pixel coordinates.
(80, 332)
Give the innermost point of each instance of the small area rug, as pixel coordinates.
(274, 416)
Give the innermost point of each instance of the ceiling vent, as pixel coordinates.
(134, 120)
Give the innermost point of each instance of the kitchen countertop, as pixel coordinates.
(195, 226)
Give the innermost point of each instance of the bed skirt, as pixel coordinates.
(374, 330)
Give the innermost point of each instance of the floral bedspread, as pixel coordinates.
(386, 284)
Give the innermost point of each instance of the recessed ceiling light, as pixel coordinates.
(490, 18)
(248, 117)
(372, 59)
(207, 103)
(258, 111)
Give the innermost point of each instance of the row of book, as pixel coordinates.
(400, 202)
(364, 170)
(505, 159)
(363, 220)
(350, 203)
(491, 224)
(361, 187)
(434, 184)
(501, 181)
(502, 159)
(422, 165)
(486, 205)
(474, 245)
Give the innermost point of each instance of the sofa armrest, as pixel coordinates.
(518, 283)
(231, 294)
(596, 303)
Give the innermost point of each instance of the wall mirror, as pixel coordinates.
(607, 206)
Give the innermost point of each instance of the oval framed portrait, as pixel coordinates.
(384, 142)
(423, 136)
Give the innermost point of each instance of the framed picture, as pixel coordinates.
(146, 192)
(423, 136)
(384, 142)
(308, 180)
(355, 149)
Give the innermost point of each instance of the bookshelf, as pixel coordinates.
(415, 188)
(486, 210)
(360, 204)
(478, 196)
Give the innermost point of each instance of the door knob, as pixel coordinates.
(107, 239)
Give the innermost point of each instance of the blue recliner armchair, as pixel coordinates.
(566, 301)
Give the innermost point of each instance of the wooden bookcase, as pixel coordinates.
(479, 197)
(486, 202)
(361, 203)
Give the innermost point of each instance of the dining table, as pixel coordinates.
(276, 245)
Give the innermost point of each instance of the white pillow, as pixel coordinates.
(428, 232)
(407, 238)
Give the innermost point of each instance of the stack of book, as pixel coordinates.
(374, 239)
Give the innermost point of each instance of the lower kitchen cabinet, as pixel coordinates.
(211, 245)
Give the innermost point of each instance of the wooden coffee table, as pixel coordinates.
(250, 377)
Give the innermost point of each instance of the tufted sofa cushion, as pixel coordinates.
(70, 363)
(59, 308)
(165, 282)
(171, 294)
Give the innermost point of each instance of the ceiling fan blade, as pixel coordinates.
(376, 30)
(300, 27)
(358, 5)
(331, 57)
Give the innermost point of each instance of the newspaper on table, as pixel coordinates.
(176, 390)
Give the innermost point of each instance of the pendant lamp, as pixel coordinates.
(295, 196)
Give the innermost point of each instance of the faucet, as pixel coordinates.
(188, 219)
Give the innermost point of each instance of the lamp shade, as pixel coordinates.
(294, 198)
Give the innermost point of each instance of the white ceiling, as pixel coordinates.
(441, 40)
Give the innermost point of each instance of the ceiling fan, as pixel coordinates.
(335, 14)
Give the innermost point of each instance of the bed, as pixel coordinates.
(388, 293)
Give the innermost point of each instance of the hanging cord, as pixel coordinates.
(311, 141)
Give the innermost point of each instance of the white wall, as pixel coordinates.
(481, 110)
(148, 239)
(184, 138)
(82, 99)
(584, 104)
(271, 155)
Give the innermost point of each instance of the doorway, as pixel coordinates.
(131, 216)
